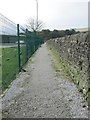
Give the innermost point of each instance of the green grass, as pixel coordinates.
(23, 55)
(10, 64)
(59, 65)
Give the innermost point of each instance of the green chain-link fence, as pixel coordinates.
(16, 50)
(28, 43)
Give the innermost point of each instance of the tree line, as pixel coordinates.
(36, 26)
(47, 34)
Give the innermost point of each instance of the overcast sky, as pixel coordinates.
(56, 14)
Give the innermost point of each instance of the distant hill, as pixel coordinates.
(82, 29)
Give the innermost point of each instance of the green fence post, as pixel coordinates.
(26, 44)
(18, 37)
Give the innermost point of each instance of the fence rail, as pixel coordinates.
(18, 45)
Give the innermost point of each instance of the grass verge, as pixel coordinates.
(58, 64)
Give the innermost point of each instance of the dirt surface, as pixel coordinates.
(39, 93)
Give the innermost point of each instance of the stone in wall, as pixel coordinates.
(74, 51)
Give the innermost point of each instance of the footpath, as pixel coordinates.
(38, 92)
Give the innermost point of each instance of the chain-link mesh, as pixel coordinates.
(18, 45)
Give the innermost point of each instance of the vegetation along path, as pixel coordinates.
(40, 93)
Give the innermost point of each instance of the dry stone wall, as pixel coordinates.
(74, 51)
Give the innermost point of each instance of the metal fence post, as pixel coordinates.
(26, 44)
(18, 38)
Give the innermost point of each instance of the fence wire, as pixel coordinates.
(7, 27)
(18, 45)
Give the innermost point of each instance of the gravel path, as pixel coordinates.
(39, 93)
